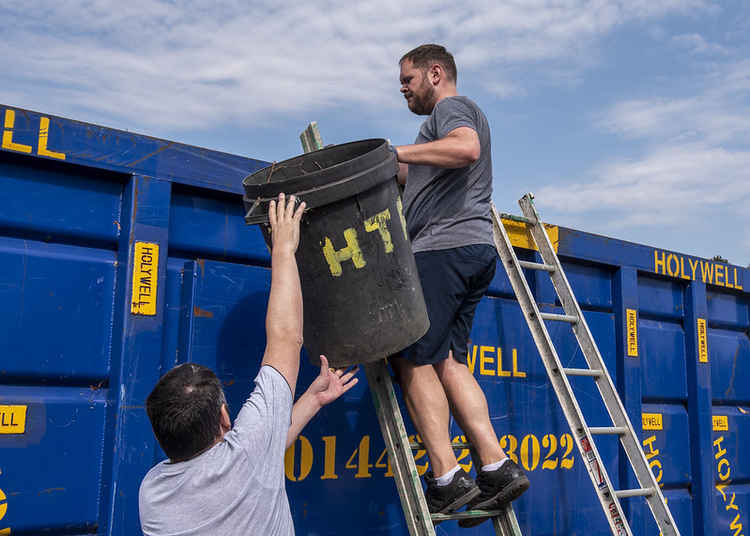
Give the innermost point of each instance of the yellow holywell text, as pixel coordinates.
(689, 269)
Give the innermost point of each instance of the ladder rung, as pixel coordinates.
(560, 318)
(640, 492)
(467, 514)
(582, 372)
(513, 217)
(537, 266)
(608, 430)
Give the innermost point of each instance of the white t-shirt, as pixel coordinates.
(235, 488)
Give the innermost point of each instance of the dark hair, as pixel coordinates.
(185, 410)
(422, 56)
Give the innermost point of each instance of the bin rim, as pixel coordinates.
(316, 189)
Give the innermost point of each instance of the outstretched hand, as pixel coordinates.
(285, 221)
(330, 384)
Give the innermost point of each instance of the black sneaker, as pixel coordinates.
(452, 496)
(498, 488)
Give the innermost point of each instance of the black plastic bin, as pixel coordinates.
(361, 292)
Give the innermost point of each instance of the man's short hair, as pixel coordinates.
(185, 410)
(424, 55)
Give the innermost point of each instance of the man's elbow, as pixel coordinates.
(468, 156)
(472, 153)
(286, 336)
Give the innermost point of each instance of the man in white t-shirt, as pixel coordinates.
(224, 479)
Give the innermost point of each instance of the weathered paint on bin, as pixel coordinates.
(84, 208)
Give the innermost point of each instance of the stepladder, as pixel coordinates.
(596, 370)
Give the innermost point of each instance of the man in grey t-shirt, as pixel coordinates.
(447, 174)
(228, 480)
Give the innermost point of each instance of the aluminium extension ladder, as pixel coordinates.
(400, 450)
(558, 375)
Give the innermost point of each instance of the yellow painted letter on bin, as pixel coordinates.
(350, 252)
(43, 136)
(379, 222)
(400, 207)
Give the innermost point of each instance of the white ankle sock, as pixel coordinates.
(445, 479)
(493, 466)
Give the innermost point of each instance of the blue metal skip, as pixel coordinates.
(87, 210)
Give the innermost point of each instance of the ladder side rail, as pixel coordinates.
(506, 523)
(573, 414)
(580, 328)
(607, 389)
(404, 468)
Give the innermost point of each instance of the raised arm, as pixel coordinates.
(284, 316)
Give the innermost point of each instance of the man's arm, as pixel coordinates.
(327, 387)
(459, 148)
(284, 316)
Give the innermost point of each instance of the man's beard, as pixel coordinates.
(423, 105)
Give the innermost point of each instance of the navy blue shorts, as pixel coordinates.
(453, 282)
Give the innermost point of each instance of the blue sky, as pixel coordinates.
(626, 118)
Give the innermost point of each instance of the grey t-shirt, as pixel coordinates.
(449, 208)
(235, 488)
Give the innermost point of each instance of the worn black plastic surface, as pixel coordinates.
(361, 291)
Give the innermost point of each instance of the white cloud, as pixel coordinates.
(697, 44)
(669, 186)
(710, 117)
(505, 89)
(717, 115)
(196, 63)
(697, 159)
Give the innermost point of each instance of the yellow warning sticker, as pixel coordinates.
(702, 341)
(12, 419)
(652, 421)
(520, 234)
(632, 324)
(145, 270)
(720, 423)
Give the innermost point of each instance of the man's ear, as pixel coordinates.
(436, 74)
(224, 422)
